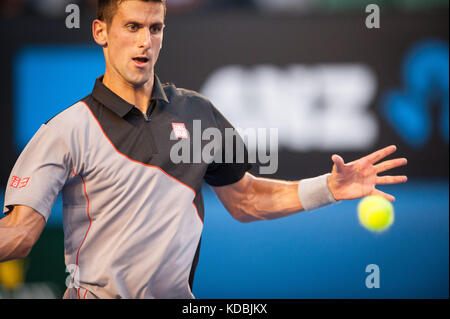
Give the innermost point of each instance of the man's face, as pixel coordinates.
(134, 39)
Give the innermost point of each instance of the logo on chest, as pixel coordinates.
(179, 129)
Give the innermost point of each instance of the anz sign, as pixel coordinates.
(425, 76)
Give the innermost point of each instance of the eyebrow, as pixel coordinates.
(139, 24)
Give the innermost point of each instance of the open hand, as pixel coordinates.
(359, 178)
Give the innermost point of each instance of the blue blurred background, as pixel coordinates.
(320, 57)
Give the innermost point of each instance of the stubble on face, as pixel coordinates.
(135, 37)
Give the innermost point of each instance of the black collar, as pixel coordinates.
(118, 105)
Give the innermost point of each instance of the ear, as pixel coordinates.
(99, 32)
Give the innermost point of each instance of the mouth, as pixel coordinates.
(141, 61)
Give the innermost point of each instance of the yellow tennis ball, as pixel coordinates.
(375, 213)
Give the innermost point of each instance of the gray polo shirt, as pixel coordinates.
(132, 218)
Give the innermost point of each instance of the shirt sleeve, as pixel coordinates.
(234, 161)
(39, 173)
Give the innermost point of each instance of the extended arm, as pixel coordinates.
(252, 198)
(19, 231)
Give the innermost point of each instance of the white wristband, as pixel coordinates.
(314, 192)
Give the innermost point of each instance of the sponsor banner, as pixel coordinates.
(327, 83)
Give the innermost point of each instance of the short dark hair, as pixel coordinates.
(106, 9)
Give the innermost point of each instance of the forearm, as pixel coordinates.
(19, 231)
(263, 199)
(273, 199)
(14, 242)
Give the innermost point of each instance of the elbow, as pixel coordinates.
(245, 216)
(24, 246)
(19, 249)
(21, 253)
(244, 219)
(25, 251)
(27, 245)
(245, 208)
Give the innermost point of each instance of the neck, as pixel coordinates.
(139, 96)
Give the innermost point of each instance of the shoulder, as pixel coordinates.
(194, 105)
(70, 118)
(176, 94)
(190, 104)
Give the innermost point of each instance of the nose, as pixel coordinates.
(144, 39)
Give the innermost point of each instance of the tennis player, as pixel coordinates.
(132, 217)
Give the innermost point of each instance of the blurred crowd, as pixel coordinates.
(55, 8)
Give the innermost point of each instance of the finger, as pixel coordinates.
(380, 154)
(383, 194)
(390, 179)
(387, 165)
(339, 162)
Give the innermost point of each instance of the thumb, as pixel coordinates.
(338, 161)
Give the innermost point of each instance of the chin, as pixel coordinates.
(139, 80)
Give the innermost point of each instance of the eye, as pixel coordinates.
(155, 29)
(132, 27)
